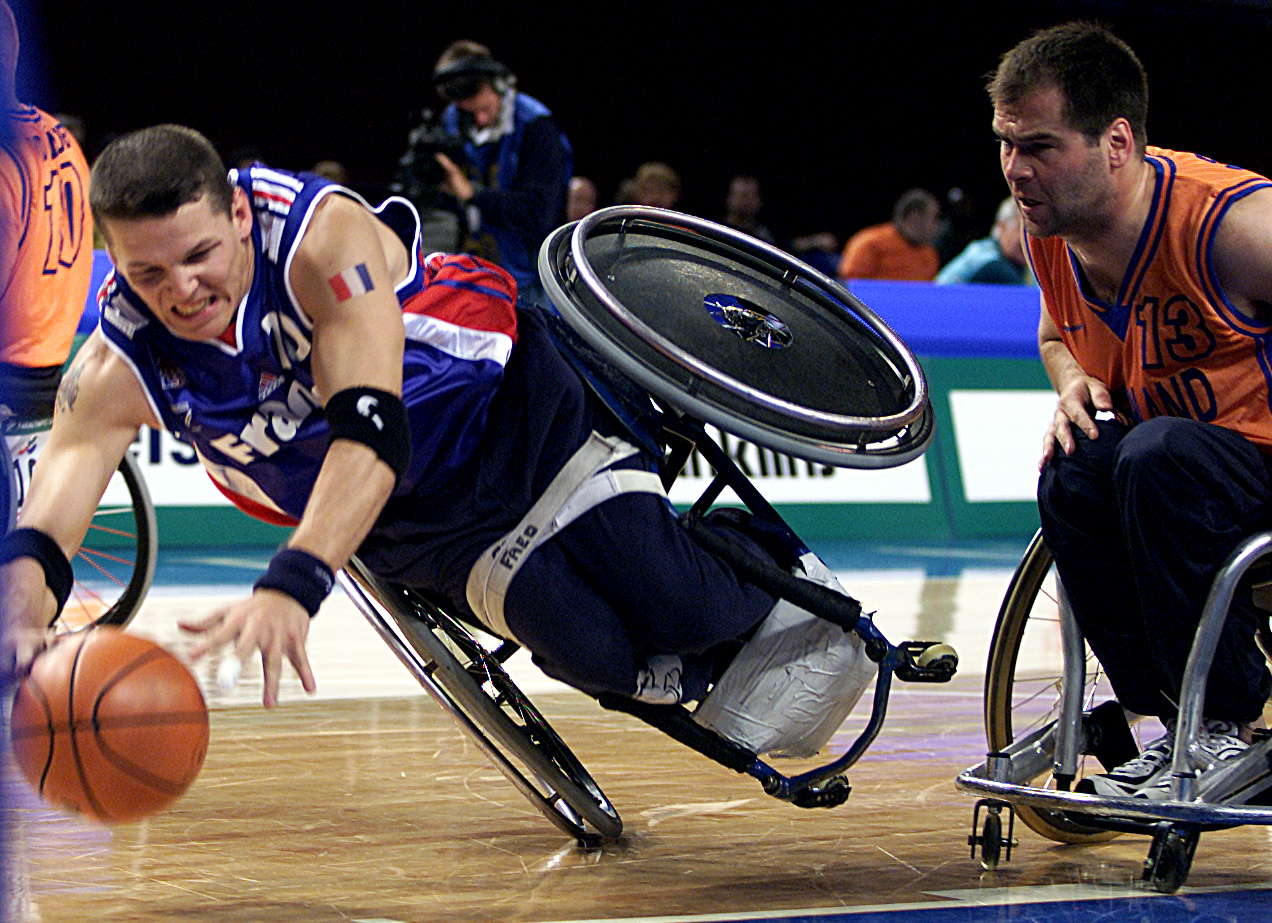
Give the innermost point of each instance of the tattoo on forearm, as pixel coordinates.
(356, 280)
(68, 390)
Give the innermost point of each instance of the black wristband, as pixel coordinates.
(32, 543)
(300, 575)
(375, 418)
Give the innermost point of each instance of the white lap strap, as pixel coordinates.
(585, 482)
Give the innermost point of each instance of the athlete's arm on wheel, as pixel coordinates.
(358, 342)
(1080, 395)
(100, 406)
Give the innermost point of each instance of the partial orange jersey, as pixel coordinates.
(880, 252)
(46, 240)
(1172, 344)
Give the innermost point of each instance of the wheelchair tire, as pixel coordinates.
(499, 717)
(115, 565)
(1018, 702)
(116, 561)
(736, 333)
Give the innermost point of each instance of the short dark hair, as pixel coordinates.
(914, 200)
(1098, 74)
(153, 172)
(464, 68)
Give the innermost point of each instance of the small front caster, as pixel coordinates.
(993, 845)
(1170, 857)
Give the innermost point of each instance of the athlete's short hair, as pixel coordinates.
(153, 172)
(1098, 74)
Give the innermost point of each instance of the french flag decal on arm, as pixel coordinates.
(355, 280)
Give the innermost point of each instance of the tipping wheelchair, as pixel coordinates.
(1049, 710)
(115, 564)
(676, 324)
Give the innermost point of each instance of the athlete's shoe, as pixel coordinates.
(1138, 774)
(1221, 747)
(659, 681)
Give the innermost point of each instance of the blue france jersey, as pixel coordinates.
(250, 410)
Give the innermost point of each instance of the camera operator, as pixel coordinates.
(516, 166)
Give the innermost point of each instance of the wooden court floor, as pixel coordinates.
(374, 807)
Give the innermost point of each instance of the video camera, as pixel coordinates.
(419, 174)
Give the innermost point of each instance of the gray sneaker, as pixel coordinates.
(1135, 775)
(1221, 747)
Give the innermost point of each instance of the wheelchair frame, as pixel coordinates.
(667, 420)
(1008, 779)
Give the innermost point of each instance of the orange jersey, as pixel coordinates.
(1172, 344)
(880, 252)
(46, 247)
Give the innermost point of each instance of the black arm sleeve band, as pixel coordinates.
(375, 418)
(32, 543)
(303, 577)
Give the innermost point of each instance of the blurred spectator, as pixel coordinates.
(820, 250)
(998, 259)
(898, 249)
(516, 166)
(742, 208)
(333, 170)
(959, 225)
(656, 184)
(626, 192)
(582, 199)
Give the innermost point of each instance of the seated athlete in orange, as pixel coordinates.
(46, 248)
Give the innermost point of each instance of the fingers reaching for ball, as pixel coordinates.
(269, 622)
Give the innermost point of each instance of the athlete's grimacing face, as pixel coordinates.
(192, 267)
(1059, 179)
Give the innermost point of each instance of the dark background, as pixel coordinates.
(837, 108)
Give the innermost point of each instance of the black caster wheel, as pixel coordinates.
(1170, 858)
(991, 841)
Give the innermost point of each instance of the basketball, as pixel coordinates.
(109, 725)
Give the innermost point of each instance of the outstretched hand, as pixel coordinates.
(268, 621)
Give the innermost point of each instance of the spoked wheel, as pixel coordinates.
(116, 562)
(1023, 679)
(468, 680)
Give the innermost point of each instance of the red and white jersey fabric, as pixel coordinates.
(1172, 343)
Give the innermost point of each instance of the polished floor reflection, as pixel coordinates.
(367, 804)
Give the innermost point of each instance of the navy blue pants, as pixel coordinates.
(623, 581)
(1139, 521)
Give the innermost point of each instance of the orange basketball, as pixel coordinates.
(110, 725)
